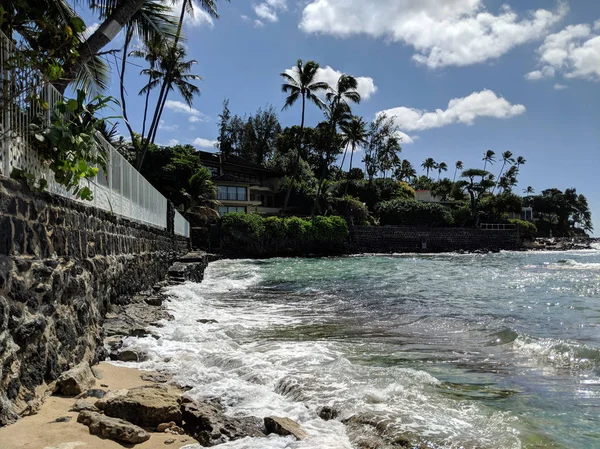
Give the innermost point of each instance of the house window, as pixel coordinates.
(232, 193)
(231, 209)
(214, 171)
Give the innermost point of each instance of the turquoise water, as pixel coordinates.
(473, 351)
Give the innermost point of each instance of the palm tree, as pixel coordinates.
(458, 166)
(200, 195)
(173, 70)
(488, 157)
(428, 164)
(529, 191)
(520, 161)
(301, 84)
(406, 171)
(442, 166)
(507, 158)
(355, 134)
(339, 110)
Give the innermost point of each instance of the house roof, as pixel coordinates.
(215, 158)
(228, 177)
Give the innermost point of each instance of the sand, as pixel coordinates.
(40, 431)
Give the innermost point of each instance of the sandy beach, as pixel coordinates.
(41, 431)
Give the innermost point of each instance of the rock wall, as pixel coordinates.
(387, 239)
(62, 265)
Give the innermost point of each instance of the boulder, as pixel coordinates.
(210, 426)
(83, 405)
(146, 406)
(112, 394)
(76, 380)
(112, 428)
(129, 355)
(327, 413)
(164, 426)
(284, 427)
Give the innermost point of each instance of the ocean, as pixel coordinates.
(494, 351)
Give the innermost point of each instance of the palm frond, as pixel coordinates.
(291, 99)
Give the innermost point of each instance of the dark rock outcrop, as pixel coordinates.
(146, 406)
(210, 426)
(113, 428)
(284, 427)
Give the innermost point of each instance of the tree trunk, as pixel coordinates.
(297, 162)
(128, 38)
(105, 33)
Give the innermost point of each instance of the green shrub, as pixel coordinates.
(527, 229)
(297, 228)
(357, 209)
(413, 213)
(462, 216)
(274, 227)
(329, 229)
(243, 227)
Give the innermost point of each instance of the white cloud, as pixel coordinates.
(245, 18)
(536, 75)
(162, 125)
(91, 29)
(268, 10)
(443, 32)
(258, 24)
(204, 143)
(406, 139)
(173, 142)
(559, 86)
(460, 110)
(200, 18)
(573, 52)
(181, 107)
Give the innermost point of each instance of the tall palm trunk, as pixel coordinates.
(349, 170)
(499, 176)
(297, 162)
(454, 179)
(105, 33)
(344, 158)
(128, 37)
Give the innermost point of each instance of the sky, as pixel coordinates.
(459, 76)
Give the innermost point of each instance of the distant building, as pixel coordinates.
(525, 215)
(425, 196)
(242, 185)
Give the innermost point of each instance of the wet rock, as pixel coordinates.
(210, 426)
(284, 427)
(146, 406)
(83, 405)
(113, 428)
(131, 355)
(76, 380)
(327, 413)
(204, 321)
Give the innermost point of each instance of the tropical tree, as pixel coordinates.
(457, 166)
(476, 183)
(174, 72)
(441, 167)
(520, 161)
(354, 135)
(200, 195)
(382, 143)
(529, 191)
(489, 157)
(507, 158)
(429, 164)
(406, 171)
(301, 84)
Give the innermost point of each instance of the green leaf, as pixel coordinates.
(72, 105)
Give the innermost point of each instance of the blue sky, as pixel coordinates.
(460, 76)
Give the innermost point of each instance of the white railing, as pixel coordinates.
(121, 189)
(497, 227)
(182, 226)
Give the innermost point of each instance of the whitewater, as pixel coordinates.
(496, 351)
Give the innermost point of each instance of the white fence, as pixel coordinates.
(497, 227)
(121, 190)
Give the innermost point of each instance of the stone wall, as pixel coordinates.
(388, 239)
(62, 265)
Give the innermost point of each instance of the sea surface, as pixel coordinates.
(495, 351)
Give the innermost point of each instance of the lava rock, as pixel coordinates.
(83, 405)
(113, 428)
(76, 380)
(284, 427)
(327, 413)
(146, 406)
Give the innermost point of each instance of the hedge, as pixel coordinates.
(413, 213)
(527, 229)
(252, 235)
